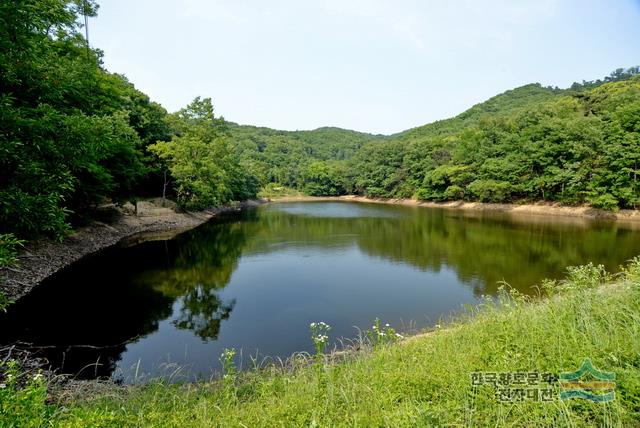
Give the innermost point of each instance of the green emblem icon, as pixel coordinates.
(588, 383)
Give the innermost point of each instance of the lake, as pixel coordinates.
(254, 280)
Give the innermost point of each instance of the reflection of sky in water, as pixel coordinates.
(280, 293)
(335, 209)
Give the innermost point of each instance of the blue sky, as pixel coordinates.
(369, 65)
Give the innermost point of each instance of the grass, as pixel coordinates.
(420, 381)
(22, 398)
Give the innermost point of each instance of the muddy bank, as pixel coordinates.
(43, 258)
(539, 208)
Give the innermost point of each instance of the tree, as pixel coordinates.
(322, 178)
(67, 140)
(205, 168)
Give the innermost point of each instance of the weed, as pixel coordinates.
(22, 398)
(320, 337)
(229, 370)
(380, 335)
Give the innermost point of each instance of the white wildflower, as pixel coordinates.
(3, 385)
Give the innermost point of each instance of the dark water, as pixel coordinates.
(255, 280)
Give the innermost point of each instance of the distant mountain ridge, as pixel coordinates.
(575, 145)
(505, 102)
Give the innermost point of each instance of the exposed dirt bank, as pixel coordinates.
(540, 208)
(43, 258)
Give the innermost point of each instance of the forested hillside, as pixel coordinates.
(74, 136)
(574, 146)
(299, 159)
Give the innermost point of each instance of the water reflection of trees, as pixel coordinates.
(482, 249)
(202, 312)
(200, 265)
(82, 319)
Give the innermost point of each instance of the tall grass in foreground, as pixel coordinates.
(422, 380)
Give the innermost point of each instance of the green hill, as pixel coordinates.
(506, 102)
(575, 145)
(509, 102)
(284, 156)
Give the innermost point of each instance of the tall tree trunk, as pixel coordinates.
(164, 188)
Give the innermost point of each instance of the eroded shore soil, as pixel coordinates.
(42, 258)
(539, 208)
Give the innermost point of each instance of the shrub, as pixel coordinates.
(453, 192)
(605, 201)
(9, 245)
(490, 190)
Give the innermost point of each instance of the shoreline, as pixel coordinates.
(42, 258)
(549, 209)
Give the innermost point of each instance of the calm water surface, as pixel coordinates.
(255, 280)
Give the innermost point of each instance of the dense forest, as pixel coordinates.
(74, 136)
(576, 145)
